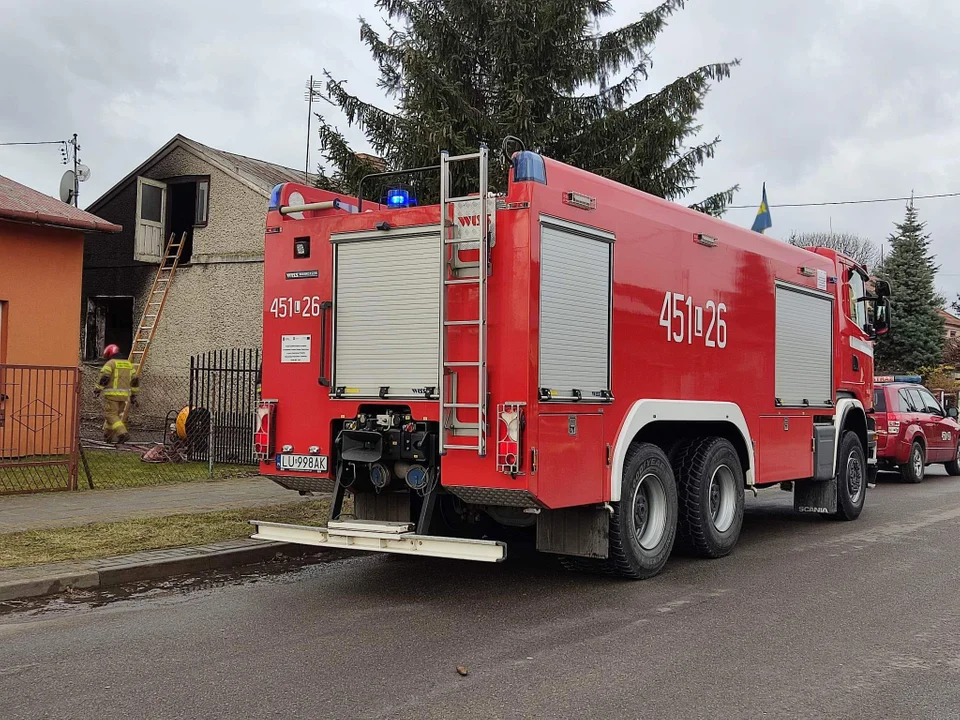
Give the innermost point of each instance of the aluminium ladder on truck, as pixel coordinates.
(453, 239)
(156, 301)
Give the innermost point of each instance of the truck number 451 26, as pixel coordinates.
(307, 306)
(684, 320)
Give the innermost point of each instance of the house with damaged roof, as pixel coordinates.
(216, 201)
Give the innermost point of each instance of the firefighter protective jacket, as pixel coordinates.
(119, 380)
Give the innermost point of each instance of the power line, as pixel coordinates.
(46, 142)
(850, 202)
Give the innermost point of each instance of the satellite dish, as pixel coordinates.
(296, 199)
(67, 186)
(83, 172)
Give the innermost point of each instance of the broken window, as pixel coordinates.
(109, 322)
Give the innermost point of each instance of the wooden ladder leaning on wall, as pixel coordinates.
(156, 301)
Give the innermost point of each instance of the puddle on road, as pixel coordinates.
(170, 589)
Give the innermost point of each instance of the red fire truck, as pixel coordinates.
(572, 360)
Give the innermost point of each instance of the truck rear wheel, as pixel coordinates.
(644, 523)
(851, 477)
(912, 469)
(710, 489)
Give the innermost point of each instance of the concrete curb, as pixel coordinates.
(38, 580)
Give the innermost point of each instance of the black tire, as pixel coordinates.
(852, 476)
(912, 470)
(644, 523)
(710, 489)
(953, 467)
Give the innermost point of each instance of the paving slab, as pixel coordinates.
(65, 509)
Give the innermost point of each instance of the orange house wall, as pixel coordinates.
(40, 274)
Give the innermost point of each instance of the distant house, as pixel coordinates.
(218, 200)
(41, 261)
(951, 325)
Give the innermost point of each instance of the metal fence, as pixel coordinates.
(180, 413)
(39, 418)
(223, 391)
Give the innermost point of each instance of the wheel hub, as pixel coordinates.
(722, 498)
(714, 499)
(649, 511)
(854, 477)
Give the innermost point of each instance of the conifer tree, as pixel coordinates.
(462, 72)
(916, 339)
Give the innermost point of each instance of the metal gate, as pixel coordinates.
(223, 402)
(39, 428)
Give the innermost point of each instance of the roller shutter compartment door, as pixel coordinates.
(575, 271)
(804, 373)
(387, 314)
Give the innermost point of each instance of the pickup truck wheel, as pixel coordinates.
(644, 523)
(912, 470)
(852, 477)
(710, 490)
(953, 467)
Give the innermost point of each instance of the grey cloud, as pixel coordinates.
(833, 100)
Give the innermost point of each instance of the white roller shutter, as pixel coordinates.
(575, 267)
(804, 348)
(387, 313)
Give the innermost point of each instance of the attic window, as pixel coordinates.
(203, 202)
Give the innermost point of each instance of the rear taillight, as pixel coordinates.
(880, 422)
(510, 422)
(263, 435)
(893, 427)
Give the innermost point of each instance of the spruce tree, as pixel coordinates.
(916, 339)
(462, 72)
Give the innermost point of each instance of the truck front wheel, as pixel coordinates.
(644, 523)
(710, 489)
(851, 477)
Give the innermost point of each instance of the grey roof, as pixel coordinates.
(266, 174)
(258, 175)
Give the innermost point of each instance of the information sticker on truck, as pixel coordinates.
(294, 348)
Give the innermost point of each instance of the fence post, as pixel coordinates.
(210, 446)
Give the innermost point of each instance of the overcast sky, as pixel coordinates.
(834, 99)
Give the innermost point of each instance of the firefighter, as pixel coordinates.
(119, 384)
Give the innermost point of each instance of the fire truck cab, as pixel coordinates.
(570, 360)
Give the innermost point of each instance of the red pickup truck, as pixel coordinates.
(913, 429)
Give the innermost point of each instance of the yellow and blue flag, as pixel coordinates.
(762, 221)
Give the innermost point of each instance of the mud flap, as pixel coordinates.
(817, 497)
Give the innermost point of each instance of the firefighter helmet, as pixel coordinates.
(109, 351)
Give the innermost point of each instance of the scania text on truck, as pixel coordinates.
(570, 360)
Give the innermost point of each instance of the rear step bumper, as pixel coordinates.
(375, 536)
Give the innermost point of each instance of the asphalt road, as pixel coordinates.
(808, 618)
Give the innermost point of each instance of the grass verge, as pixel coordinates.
(98, 540)
(122, 469)
(109, 469)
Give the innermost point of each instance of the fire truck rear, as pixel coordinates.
(571, 361)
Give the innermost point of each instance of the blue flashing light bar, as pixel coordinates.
(528, 166)
(898, 378)
(399, 198)
(275, 197)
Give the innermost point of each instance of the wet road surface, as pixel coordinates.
(807, 619)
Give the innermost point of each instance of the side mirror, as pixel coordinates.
(953, 412)
(881, 316)
(881, 288)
